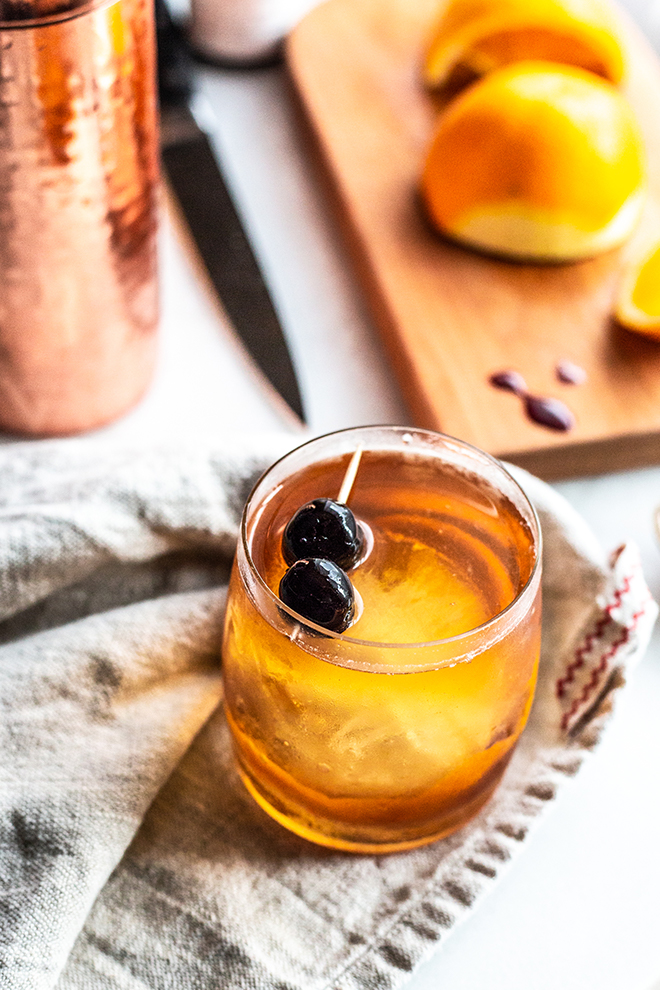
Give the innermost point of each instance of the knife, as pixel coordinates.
(195, 177)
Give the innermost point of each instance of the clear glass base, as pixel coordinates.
(341, 836)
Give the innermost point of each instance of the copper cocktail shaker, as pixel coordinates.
(78, 190)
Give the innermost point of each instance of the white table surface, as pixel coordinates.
(580, 908)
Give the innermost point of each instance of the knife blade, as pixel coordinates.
(195, 177)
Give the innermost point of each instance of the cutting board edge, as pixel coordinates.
(623, 452)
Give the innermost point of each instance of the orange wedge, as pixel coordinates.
(638, 303)
(536, 161)
(482, 35)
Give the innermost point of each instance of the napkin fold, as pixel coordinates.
(130, 855)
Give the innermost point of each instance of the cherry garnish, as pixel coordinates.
(320, 591)
(323, 528)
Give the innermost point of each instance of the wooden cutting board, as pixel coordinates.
(450, 317)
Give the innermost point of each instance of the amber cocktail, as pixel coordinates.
(396, 730)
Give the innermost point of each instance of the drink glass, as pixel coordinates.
(397, 731)
(78, 198)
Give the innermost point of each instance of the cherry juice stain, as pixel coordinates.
(570, 373)
(509, 381)
(548, 412)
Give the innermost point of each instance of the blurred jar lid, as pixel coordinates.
(243, 32)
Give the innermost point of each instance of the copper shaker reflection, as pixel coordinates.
(78, 190)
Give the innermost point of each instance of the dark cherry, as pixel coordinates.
(323, 528)
(320, 591)
(549, 412)
(509, 381)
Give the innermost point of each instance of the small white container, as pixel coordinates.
(243, 32)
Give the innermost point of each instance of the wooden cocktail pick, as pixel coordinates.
(349, 477)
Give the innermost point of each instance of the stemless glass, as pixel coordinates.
(397, 731)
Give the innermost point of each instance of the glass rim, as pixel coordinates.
(484, 627)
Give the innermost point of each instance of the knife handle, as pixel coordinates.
(175, 64)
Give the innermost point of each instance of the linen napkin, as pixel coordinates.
(130, 855)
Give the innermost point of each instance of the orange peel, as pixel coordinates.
(482, 35)
(536, 161)
(637, 306)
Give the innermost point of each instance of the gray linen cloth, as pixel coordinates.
(130, 855)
